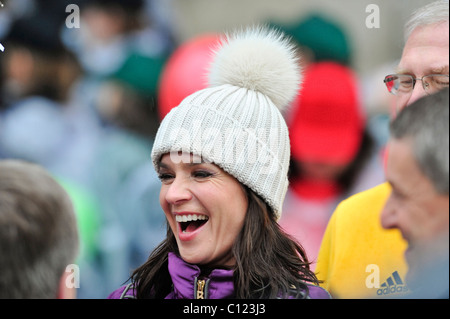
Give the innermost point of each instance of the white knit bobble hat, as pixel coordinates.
(236, 123)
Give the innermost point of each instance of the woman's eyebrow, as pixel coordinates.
(162, 165)
(192, 163)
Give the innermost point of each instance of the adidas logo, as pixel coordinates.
(393, 285)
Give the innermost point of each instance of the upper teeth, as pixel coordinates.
(189, 218)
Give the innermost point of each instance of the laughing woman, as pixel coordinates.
(222, 156)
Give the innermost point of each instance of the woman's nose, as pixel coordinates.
(178, 191)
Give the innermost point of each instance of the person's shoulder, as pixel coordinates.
(308, 291)
(124, 292)
(377, 193)
(368, 201)
(316, 292)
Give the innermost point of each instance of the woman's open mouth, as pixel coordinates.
(189, 223)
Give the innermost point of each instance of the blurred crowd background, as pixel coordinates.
(86, 102)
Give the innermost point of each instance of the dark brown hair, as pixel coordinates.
(269, 264)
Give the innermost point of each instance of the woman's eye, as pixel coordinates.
(202, 174)
(165, 177)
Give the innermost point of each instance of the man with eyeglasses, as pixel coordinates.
(358, 258)
(402, 85)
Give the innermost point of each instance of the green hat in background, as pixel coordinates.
(325, 38)
(141, 73)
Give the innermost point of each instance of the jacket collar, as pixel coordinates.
(219, 282)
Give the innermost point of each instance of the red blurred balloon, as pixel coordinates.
(186, 71)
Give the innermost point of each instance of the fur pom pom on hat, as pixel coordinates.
(260, 60)
(237, 122)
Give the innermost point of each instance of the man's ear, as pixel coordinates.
(65, 290)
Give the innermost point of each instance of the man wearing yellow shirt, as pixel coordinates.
(358, 258)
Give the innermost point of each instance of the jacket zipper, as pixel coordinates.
(201, 289)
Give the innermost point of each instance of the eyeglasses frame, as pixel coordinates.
(424, 84)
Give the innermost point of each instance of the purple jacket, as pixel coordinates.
(187, 283)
